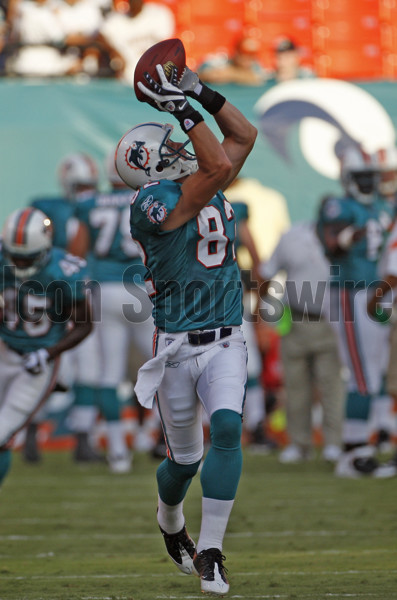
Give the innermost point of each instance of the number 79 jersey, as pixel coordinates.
(192, 275)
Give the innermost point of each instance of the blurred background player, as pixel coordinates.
(381, 306)
(78, 176)
(45, 311)
(309, 352)
(254, 406)
(353, 229)
(104, 232)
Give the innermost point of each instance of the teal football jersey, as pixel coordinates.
(192, 275)
(37, 310)
(240, 210)
(114, 255)
(59, 210)
(358, 266)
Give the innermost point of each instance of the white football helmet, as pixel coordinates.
(77, 172)
(385, 160)
(27, 240)
(359, 174)
(146, 153)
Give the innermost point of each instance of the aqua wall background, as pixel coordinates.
(42, 122)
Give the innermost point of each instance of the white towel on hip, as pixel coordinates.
(151, 374)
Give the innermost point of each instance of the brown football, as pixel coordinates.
(167, 53)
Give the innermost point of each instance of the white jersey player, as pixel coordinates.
(44, 311)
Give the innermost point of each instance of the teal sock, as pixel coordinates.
(173, 480)
(84, 395)
(5, 463)
(109, 404)
(222, 467)
(358, 406)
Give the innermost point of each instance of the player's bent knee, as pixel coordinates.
(226, 428)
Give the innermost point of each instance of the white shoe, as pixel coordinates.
(208, 565)
(331, 453)
(291, 455)
(356, 463)
(120, 464)
(385, 470)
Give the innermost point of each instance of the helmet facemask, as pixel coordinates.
(27, 241)
(363, 185)
(27, 265)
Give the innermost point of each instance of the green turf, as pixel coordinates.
(296, 532)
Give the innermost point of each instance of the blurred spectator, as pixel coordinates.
(309, 351)
(132, 27)
(243, 67)
(52, 37)
(287, 56)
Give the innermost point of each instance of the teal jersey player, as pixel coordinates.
(106, 216)
(240, 210)
(205, 290)
(37, 310)
(60, 211)
(372, 222)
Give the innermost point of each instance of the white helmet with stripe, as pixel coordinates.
(76, 173)
(146, 153)
(385, 160)
(27, 240)
(359, 174)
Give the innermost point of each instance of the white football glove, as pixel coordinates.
(166, 95)
(190, 83)
(35, 362)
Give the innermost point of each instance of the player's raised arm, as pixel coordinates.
(239, 134)
(218, 163)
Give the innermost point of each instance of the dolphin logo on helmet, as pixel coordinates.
(135, 155)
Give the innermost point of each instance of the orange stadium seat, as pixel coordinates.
(349, 62)
(207, 27)
(339, 38)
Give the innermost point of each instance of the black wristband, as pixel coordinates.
(188, 118)
(210, 100)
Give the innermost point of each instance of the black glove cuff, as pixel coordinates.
(211, 100)
(188, 118)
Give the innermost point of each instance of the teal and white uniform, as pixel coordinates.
(61, 213)
(362, 340)
(36, 315)
(193, 280)
(124, 308)
(254, 408)
(192, 276)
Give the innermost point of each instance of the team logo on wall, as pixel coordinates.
(331, 114)
(137, 157)
(157, 213)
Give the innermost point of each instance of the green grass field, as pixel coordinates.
(80, 533)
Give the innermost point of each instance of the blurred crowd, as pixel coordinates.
(91, 38)
(105, 38)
